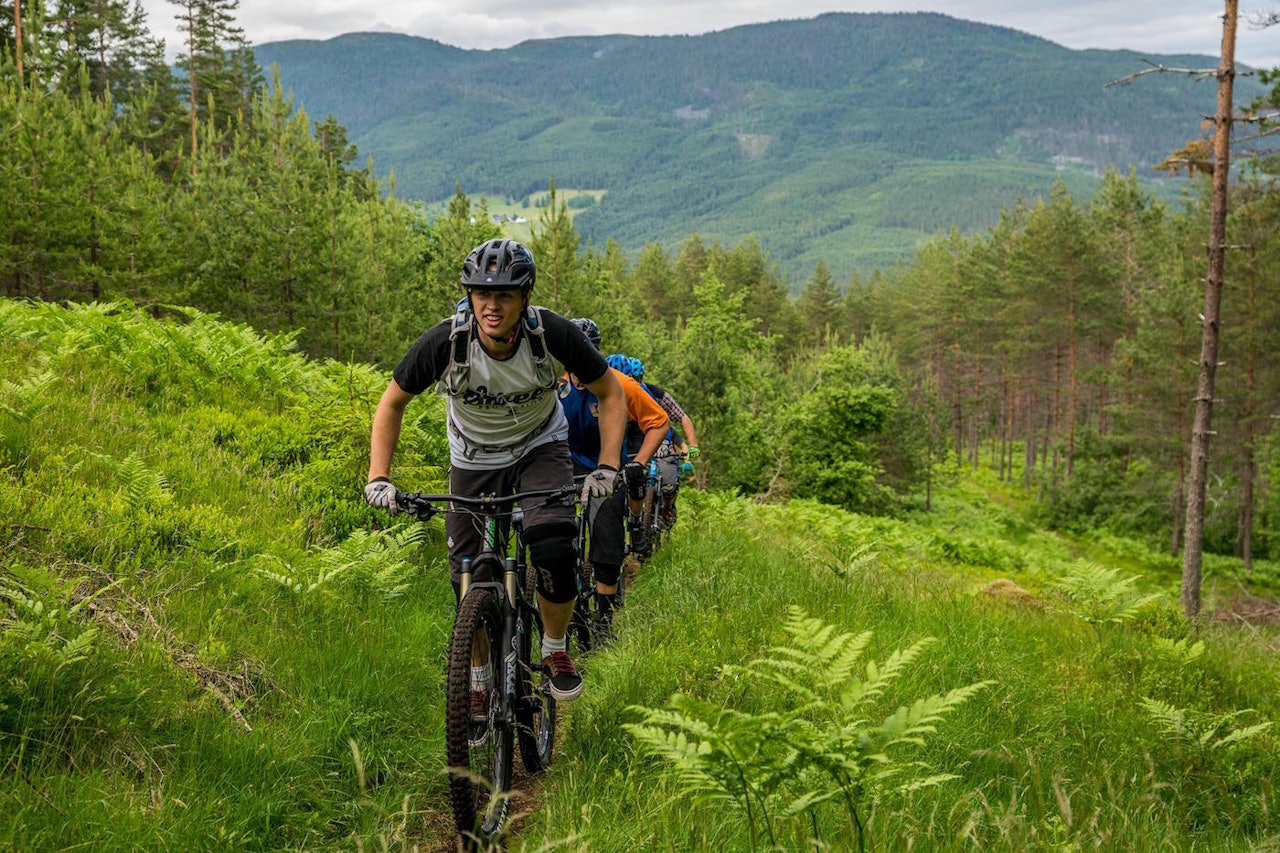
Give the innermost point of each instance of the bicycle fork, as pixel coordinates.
(512, 630)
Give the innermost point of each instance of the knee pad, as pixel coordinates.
(552, 554)
(606, 574)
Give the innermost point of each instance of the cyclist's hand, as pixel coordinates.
(382, 494)
(599, 483)
(635, 473)
(692, 452)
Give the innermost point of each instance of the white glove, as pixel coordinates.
(599, 483)
(382, 494)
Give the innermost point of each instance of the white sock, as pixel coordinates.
(550, 646)
(481, 676)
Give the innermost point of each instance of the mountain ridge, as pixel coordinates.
(848, 137)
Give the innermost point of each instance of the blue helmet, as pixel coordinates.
(626, 365)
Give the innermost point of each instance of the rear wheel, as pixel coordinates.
(478, 737)
(657, 509)
(584, 611)
(584, 607)
(535, 706)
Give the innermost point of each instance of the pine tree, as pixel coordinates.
(222, 75)
(555, 249)
(819, 304)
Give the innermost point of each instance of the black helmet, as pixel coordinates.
(499, 265)
(589, 328)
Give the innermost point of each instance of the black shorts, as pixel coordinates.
(546, 466)
(608, 546)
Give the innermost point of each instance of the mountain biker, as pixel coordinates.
(685, 441)
(608, 540)
(498, 362)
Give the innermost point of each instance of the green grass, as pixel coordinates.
(1058, 754)
(162, 686)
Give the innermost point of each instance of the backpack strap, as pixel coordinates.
(535, 331)
(454, 380)
(456, 375)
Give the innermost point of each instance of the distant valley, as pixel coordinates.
(847, 138)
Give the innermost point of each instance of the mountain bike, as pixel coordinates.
(659, 512)
(584, 627)
(497, 623)
(580, 625)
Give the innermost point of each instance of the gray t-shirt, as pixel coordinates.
(505, 408)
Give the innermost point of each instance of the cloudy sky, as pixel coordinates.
(1155, 26)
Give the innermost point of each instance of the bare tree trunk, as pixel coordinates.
(1073, 384)
(1179, 507)
(17, 37)
(1029, 450)
(1193, 549)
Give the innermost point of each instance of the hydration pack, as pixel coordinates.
(457, 375)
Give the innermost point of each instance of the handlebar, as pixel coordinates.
(424, 506)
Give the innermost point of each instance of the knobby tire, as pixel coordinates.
(479, 777)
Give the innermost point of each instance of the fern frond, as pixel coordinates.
(77, 648)
(1201, 728)
(1237, 736)
(1099, 595)
(1178, 652)
(879, 677)
(24, 401)
(909, 723)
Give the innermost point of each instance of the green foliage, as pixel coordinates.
(170, 460)
(1202, 732)
(374, 565)
(818, 748)
(721, 371)
(1099, 595)
(1217, 759)
(850, 440)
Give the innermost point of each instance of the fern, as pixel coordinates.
(42, 632)
(1203, 731)
(24, 401)
(366, 563)
(141, 486)
(1177, 653)
(1098, 595)
(817, 747)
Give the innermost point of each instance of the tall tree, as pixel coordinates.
(1193, 548)
(819, 305)
(221, 72)
(109, 38)
(555, 249)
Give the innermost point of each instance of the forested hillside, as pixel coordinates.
(847, 138)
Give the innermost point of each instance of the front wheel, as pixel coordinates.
(478, 730)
